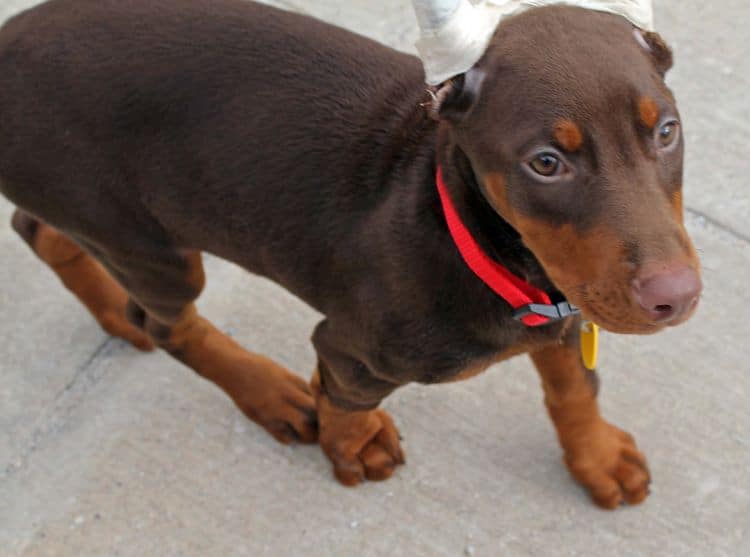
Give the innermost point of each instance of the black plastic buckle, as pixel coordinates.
(553, 312)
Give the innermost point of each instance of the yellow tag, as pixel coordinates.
(589, 344)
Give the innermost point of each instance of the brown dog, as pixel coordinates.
(134, 136)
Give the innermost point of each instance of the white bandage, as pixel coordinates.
(455, 33)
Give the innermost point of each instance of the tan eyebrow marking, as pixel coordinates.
(568, 135)
(648, 112)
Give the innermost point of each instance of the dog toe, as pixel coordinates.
(373, 455)
(608, 464)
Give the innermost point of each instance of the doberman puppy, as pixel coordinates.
(135, 136)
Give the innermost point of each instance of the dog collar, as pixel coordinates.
(532, 306)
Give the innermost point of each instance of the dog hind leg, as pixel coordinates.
(149, 301)
(163, 289)
(83, 276)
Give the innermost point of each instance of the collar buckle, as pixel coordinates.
(553, 312)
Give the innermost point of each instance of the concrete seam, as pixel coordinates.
(711, 221)
(64, 404)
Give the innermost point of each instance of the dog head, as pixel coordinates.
(576, 142)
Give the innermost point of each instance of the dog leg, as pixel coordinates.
(360, 440)
(83, 276)
(600, 456)
(162, 304)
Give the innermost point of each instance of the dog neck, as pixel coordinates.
(497, 238)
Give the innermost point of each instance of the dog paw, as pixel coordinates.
(605, 460)
(286, 408)
(362, 445)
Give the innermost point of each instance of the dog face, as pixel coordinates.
(577, 143)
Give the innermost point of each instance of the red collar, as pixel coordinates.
(532, 306)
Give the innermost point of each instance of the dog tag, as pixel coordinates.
(589, 344)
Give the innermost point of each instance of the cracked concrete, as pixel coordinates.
(106, 451)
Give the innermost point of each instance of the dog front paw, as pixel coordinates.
(605, 460)
(361, 445)
(282, 404)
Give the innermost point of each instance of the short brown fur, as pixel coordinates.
(316, 169)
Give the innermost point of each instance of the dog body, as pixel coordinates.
(148, 132)
(325, 185)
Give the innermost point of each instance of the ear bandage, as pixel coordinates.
(455, 33)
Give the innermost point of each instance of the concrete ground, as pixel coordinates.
(106, 451)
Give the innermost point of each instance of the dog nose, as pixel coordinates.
(668, 295)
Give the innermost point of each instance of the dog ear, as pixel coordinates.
(454, 99)
(657, 48)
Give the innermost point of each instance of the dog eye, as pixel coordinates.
(667, 134)
(547, 164)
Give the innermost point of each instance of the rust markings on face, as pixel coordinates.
(569, 257)
(690, 254)
(568, 135)
(573, 258)
(494, 185)
(648, 112)
(589, 267)
(604, 213)
(677, 207)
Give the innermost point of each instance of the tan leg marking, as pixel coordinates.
(601, 457)
(88, 281)
(360, 444)
(267, 393)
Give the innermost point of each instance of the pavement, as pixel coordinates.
(105, 451)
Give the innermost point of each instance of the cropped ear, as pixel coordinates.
(454, 99)
(657, 48)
